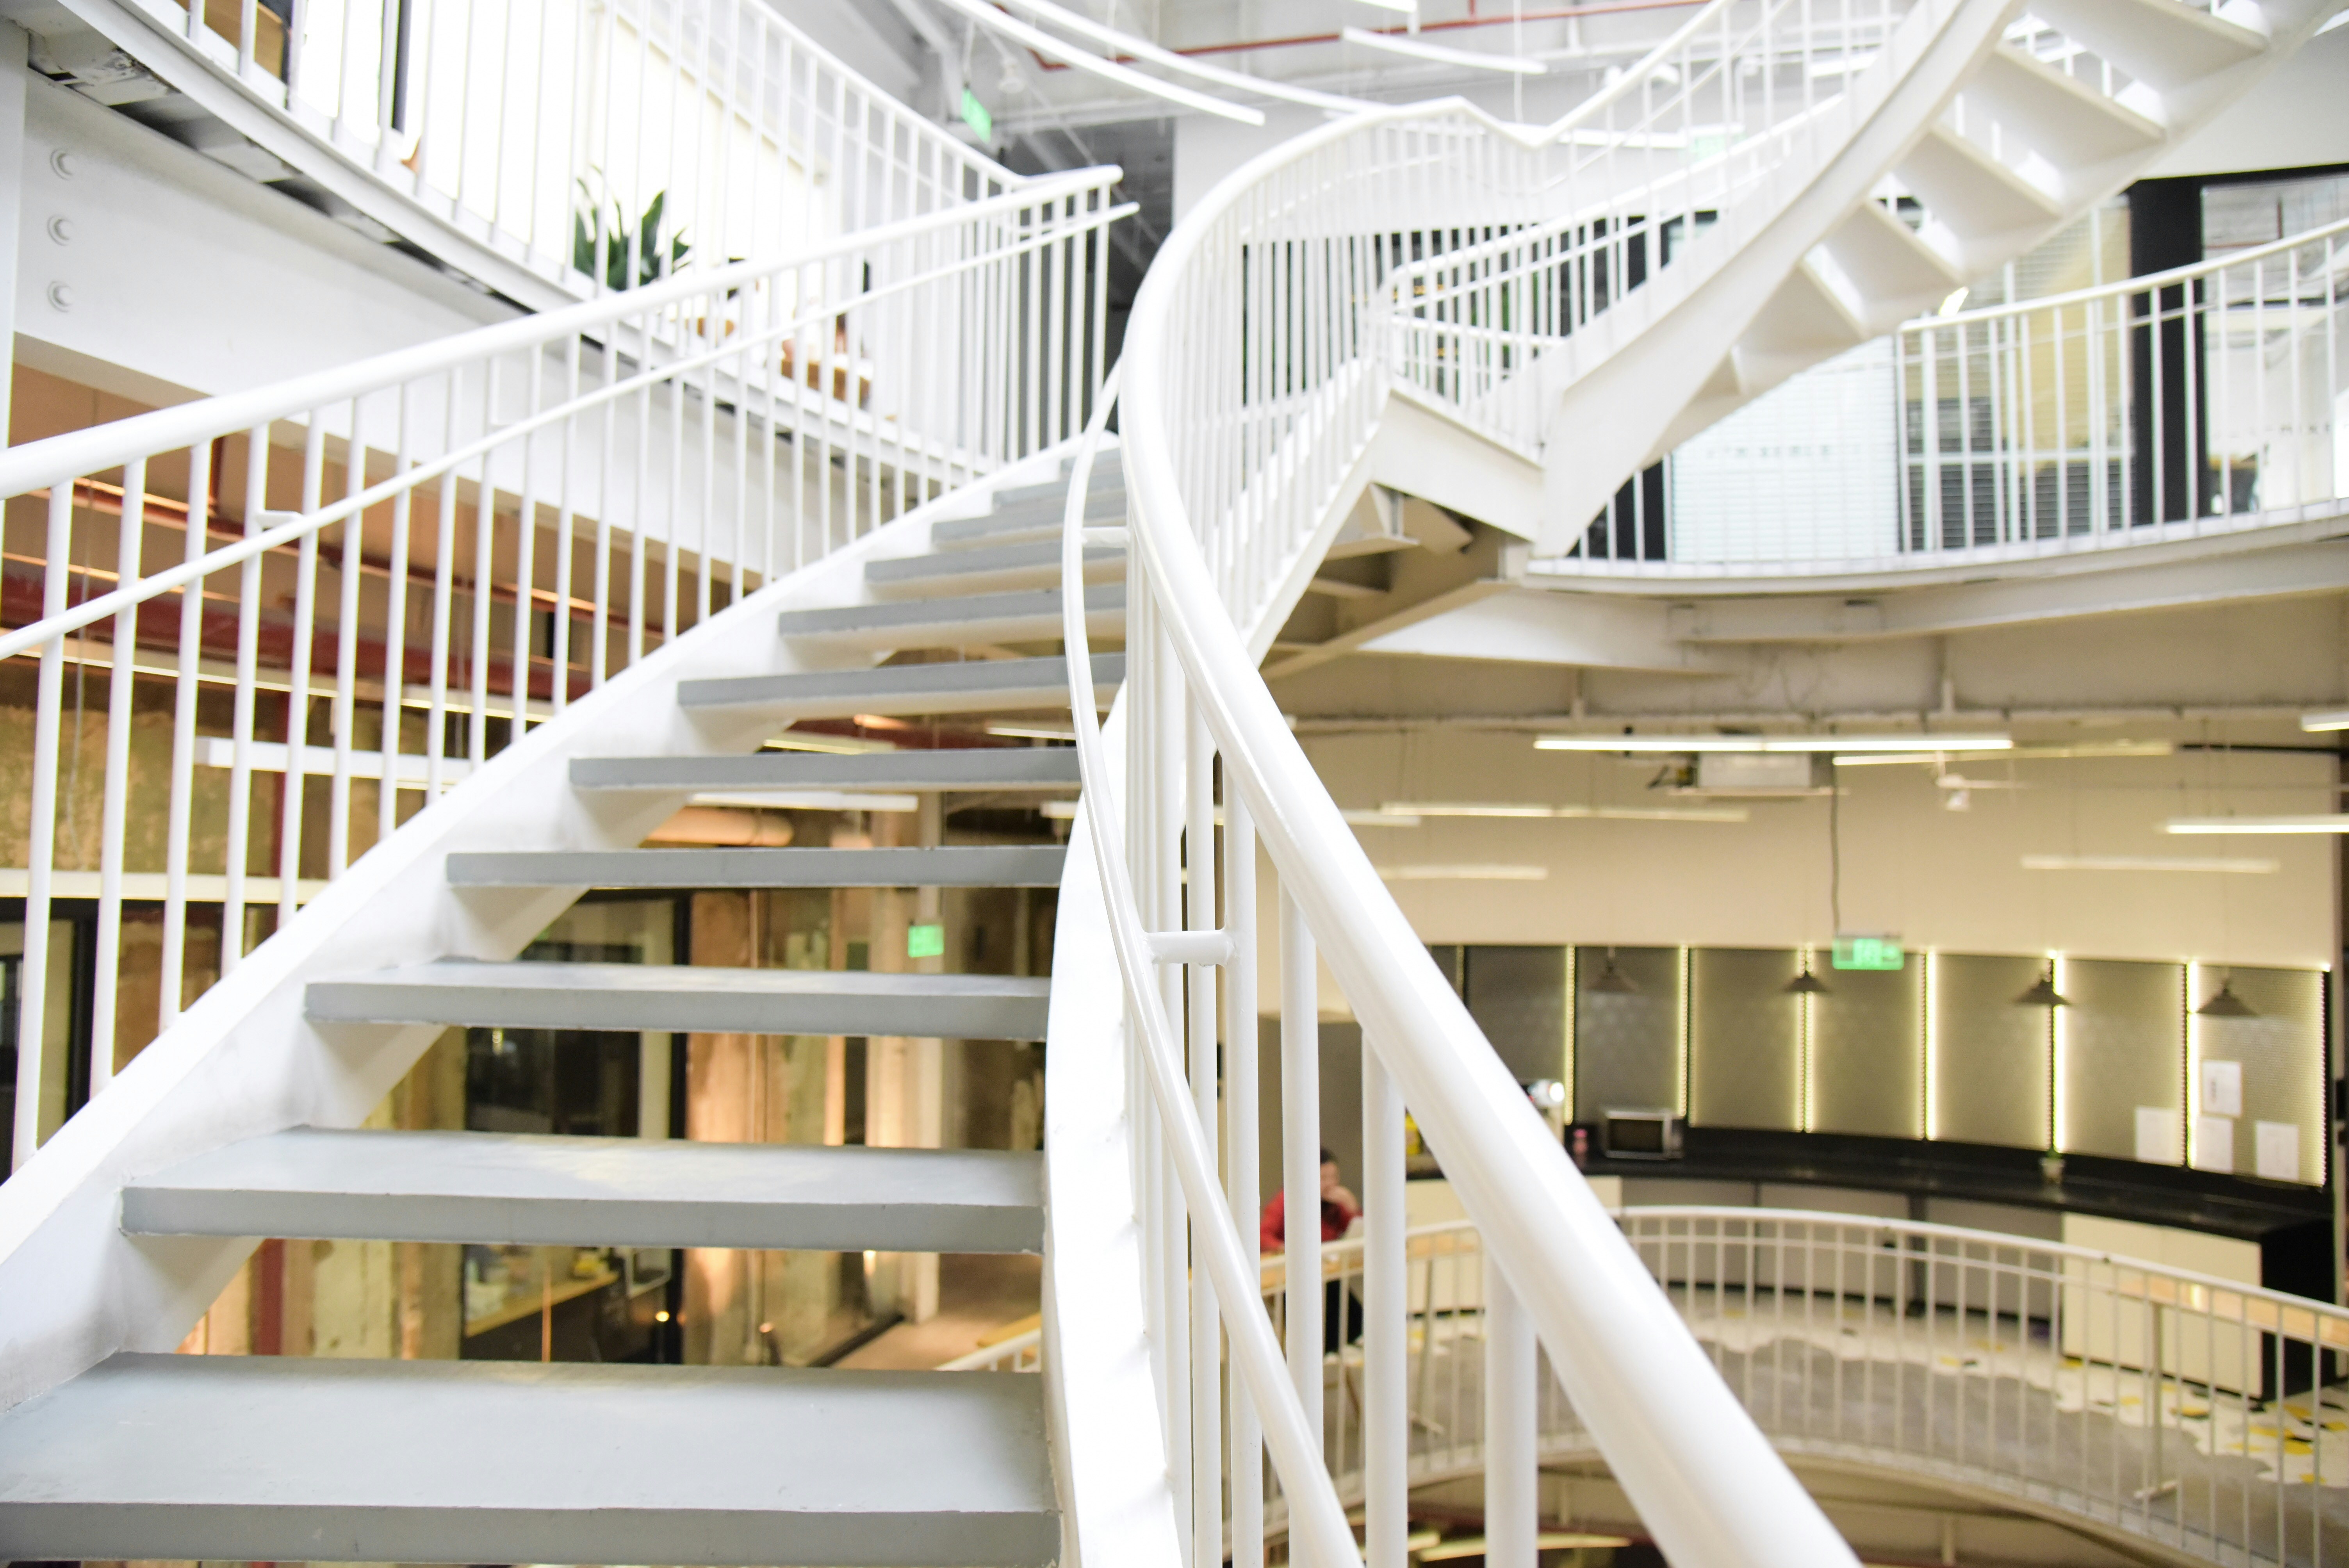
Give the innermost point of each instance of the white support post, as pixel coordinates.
(1512, 1471)
(1301, 1155)
(1206, 1323)
(1241, 1181)
(1386, 1323)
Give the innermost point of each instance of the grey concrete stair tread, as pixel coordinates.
(952, 866)
(1024, 513)
(1022, 616)
(971, 767)
(973, 685)
(284, 1458)
(522, 1189)
(680, 998)
(1108, 478)
(953, 567)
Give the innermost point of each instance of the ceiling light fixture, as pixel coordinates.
(1814, 742)
(2322, 822)
(2225, 1003)
(2320, 723)
(2009, 753)
(2240, 866)
(1611, 981)
(1031, 732)
(1472, 58)
(1464, 873)
(2041, 992)
(1415, 810)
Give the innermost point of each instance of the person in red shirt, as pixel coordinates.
(1340, 1210)
(1341, 1310)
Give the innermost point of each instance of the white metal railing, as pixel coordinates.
(376, 577)
(2162, 406)
(548, 132)
(1256, 374)
(2199, 1413)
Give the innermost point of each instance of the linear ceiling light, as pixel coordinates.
(2318, 723)
(1053, 48)
(1472, 58)
(1827, 743)
(1032, 732)
(1464, 873)
(2018, 753)
(2240, 866)
(1137, 49)
(2323, 822)
(1417, 809)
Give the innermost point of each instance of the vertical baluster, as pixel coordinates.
(395, 621)
(33, 971)
(559, 681)
(1386, 1419)
(1242, 1181)
(444, 594)
(525, 584)
(297, 684)
(1207, 1339)
(184, 692)
(121, 675)
(1301, 1152)
(342, 714)
(248, 656)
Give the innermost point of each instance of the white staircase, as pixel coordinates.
(275, 1459)
(703, 473)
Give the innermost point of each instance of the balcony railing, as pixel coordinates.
(560, 148)
(2204, 1415)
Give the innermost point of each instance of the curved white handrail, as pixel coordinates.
(1216, 1250)
(1692, 1462)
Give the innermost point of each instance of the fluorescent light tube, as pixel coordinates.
(2018, 753)
(2326, 822)
(1400, 810)
(1460, 808)
(2318, 723)
(1464, 873)
(1827, 743)
(2146, 863)
(1474, 59)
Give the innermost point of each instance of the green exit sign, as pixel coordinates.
(974, 115)
(1868, 953)
(930, 942)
